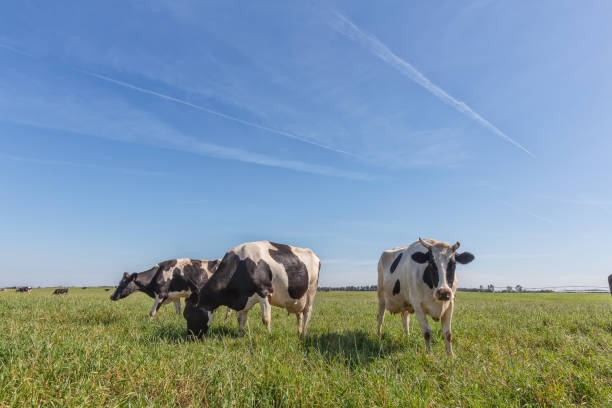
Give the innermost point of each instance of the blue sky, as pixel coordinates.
(133, 132)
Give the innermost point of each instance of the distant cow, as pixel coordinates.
(420, 278)
(165, 282)
(60, 291)
(610, 283)
(25, 289)
(257, 272)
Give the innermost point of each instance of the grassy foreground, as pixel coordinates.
(512, 350)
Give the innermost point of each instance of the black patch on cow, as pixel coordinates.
(450, 272)
(235, 281)
(396, 287)
(213, 265)
(430, 274)
(420, 257)
(464, 258)
(167, 264)
(297, 273)
(396, 262)
(176, 283)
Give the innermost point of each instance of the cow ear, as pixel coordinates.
(464, 258)
(420, 257)
(133, 276)
(125, 275)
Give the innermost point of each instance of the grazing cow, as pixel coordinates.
(24, 289)
(610, 282)
(165, 282)
(420, 278)
(257, 272)
(60, 291)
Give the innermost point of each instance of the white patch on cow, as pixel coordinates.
(173, 296)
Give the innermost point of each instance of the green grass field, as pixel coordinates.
(512, 350)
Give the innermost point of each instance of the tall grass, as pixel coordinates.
(513, 350)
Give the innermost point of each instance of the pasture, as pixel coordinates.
(513, 350)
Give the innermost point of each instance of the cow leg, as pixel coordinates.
(228, 313)
(381, 315)
(156, 306)
(307, 315)
(425, 329)
(406, 321)
(266, 312)
(446, 329)
(242, 314)
(300, 320)
(177, 306)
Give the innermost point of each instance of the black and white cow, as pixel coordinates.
(420, 278)
(610, 282)
(165, 282)
(24, 289)
(257, 272)
(60, 291)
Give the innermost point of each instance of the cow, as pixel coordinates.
(257, 272)
(24, 289)
(610, 282)
(165, 282)
(60, 291)
(420, 278)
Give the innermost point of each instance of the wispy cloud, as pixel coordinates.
(217, 113)
(349, 29)
(536, 216)
(33, 103)
(48, 162)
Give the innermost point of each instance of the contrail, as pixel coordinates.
(16, 51)
(217, 113)
(350, 30)
(198, 107)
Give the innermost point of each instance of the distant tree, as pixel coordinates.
(481, 288)
(518, 288)
(491, 288)
(509, 289)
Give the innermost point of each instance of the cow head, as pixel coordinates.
(198, 317)
(441, 259)
(126, 287)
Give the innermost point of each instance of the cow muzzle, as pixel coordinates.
(444, 294)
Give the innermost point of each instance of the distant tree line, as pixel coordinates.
(370, 288)
(489, 288)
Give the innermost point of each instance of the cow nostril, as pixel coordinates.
(444, 294)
